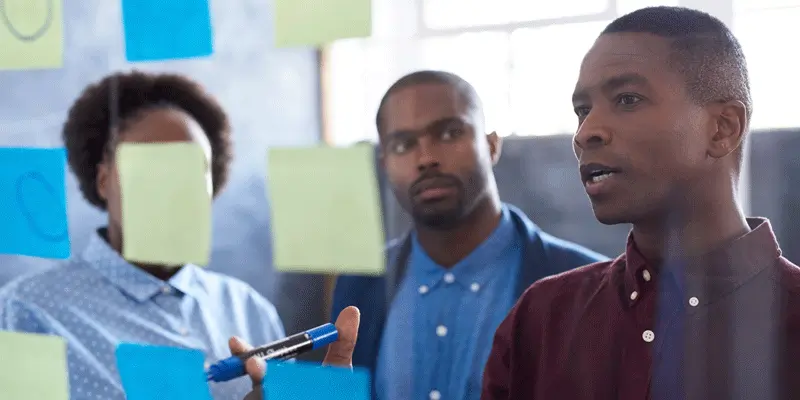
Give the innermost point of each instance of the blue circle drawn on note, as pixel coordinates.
(37, 177)
(48, 21)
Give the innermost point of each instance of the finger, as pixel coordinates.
(340, 353)
(238, 346)
(256, 368)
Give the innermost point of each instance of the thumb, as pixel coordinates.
(340, 353)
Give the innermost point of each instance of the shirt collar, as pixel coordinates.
(472, 269)
(129, 278)
(716, 273)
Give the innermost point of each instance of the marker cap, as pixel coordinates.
(227, 369)
(323, 335)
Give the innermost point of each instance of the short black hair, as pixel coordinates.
(109, 105)
(424, 77)
(704, 51)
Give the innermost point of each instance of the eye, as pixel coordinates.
(400, 146)
(451, 133)
(628, 99)
(582, 111)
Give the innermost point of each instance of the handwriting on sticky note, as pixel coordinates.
(318, 22)
(166, 203)
(325, 210)
(33, 367)
(31, 34)
(160, 372)
(166, 29)
(33, 194)
(306, 381)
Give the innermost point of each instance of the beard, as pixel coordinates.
(448, 212)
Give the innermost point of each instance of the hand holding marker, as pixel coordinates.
(284, 349)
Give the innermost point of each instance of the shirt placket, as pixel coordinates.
(635, 369)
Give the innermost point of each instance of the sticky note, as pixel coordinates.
(325, 207)
(306, 381)
(31, 34)
(319, 22)
(166, 203)
(160, 372)
(33, 367)
(166, 29)
(33, 221)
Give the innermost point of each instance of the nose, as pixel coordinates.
(427, 155)
(592, 133)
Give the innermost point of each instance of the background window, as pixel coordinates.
(543, 76)
(446, 14)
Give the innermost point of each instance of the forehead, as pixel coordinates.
(642, 54)
(416, 106)
(166, 125)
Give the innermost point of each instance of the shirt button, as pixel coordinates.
(206, 365)
(441, 331)
(648, 336)
(434, 395)
(694, 301)
(166, 290)
(449, 278)
(423, 289)
(646, 275)
(183, 331)
(475, 287)
(634, 295)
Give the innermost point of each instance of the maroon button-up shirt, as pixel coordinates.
(722, 326)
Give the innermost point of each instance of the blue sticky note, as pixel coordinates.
(159, 372)
(307, 381)
(34, 201)
(166, 29)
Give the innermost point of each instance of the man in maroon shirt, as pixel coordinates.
(701, 305)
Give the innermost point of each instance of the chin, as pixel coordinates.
(610, 216)
(444, 218)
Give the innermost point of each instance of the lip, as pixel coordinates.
(589, 170)
(433, 188)
(435, 193)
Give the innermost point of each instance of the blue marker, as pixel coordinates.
(284, 349)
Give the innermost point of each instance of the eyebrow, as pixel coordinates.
(581, 95)
(435, 125)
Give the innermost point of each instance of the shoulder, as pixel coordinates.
(569, 251)
(563, 252)
(561, 293)
(789, 280)
(65, 277)
(27, 301)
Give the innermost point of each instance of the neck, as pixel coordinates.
(448, 247)
(695, 229)
(114, 238)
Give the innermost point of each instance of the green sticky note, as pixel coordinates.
(319, 22)
(33, 367)
(166, 203)
(31, 34)
(325, 208)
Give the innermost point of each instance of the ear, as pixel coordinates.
(103, 177)
(495, 146)
(731, 127)
(381, 157)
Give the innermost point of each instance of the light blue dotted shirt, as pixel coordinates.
(440, 327)
(98, 299)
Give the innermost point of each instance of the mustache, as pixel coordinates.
(433, 179)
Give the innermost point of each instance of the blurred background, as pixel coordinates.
(521, 55)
